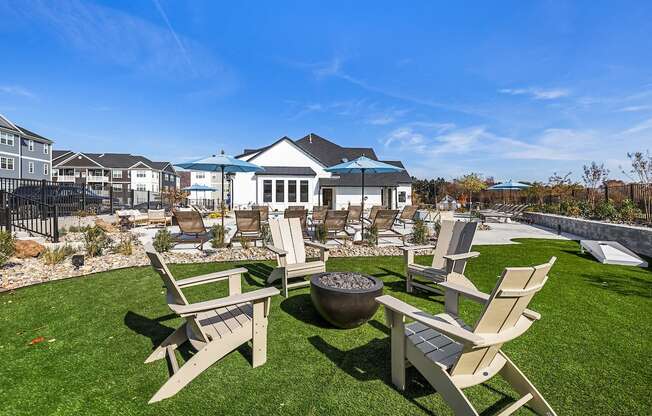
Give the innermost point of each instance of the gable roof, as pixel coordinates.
(111, 160)
(329, 153)
(7, 124)
(376, 179)
(56, 154)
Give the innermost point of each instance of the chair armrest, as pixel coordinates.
(462, 256)
(195, 308)
(210, 278)
(415, 248)
(480, 297)
(452, 331)
(317, 245)
(276, 250)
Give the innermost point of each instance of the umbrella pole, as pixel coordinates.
(362, 209)
(222, 200)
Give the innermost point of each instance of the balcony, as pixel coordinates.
(93, 178)
(65, 178)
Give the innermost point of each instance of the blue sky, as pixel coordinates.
(507, 89)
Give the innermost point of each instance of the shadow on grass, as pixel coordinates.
(623, 285)
(258, 273)
(301, 308)
(152, 329)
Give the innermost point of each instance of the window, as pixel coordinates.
(141, 174)
(30, 145)
(141, 187)
(7, 163)
(401, 196)
(117, 187)
(116, 174)
(304, 191)
(292, 191)
(7, 138)
(46, 169)
(280, 191)
(30, 167)
(267, 191)
(46, 149)
(200, 175)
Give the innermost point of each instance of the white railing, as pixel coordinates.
(65, 178)
(93, 178)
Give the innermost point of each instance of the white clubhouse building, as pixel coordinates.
(294, 175)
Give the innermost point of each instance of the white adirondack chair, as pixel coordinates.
(453, 356)
(449, 259)
(214, 328)
(289, 247)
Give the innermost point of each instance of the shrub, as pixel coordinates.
(162, 241)
(244, 242)
(266, 234)
(217, 236)
(320, 233)
(125, 246)
(7, 246)
(629, 211)
(419, 232)
(371, 235)
(606, 210)
(95, 241)
(56, 255)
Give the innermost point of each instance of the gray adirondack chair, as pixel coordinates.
(453, 356)
(214, 328)
(289, 247)
(452, 251)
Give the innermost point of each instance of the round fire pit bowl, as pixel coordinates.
(345, 299)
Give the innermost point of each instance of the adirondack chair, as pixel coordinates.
(214, 328)
(247, 225)
(301, 214)
(453, 356)
(289, 247)
(452, 251)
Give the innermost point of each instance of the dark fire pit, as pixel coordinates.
(345, 299)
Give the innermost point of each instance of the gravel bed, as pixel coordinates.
(346, 280)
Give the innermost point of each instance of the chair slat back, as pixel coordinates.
(408, 212)
(247, 221)
(190, 222)
(354, 214)
(384, 219)
(158, 214)
(319, 213)
(509, 298)
(288, 235)
(174, 293)
(264, 212)
(374, 210)
(455, 237)
(335, 220)
(301, 214)
(293, 207)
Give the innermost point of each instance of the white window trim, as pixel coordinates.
(6, 159)
(30, 167)
(46, 149)
(5, 138)
(30, 145)
(46, 170)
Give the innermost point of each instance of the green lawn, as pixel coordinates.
(589, 355)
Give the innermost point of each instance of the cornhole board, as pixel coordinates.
(612, 252)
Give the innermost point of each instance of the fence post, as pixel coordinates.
(111, 199)
(131, 196)
(631, 192)
(55, 224)
(148, 199)
(83, 196)
(44, 212)
(606, 193)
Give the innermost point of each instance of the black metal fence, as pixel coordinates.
(18, 212)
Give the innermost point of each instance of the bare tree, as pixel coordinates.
(594, 175)
(641, 172)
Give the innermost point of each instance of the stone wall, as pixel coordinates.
(637, 239)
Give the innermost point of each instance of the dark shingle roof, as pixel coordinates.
(376, 179)
(121, 160)
(287, 170)
(34, 135)
(329, 153)
(7, 124)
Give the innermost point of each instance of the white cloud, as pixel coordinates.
(17, 90)
(635, 108)
(643, 125)
(537, 93)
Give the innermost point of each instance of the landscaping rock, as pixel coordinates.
(109, 228)
(28, 248)
(346, 280)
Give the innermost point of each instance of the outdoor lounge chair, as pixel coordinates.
(214, 328)
(372, 213)
(134, 217)
(203, 211)
(289, 247)
(384, 223)
(453, 356)
(293, 207)
(191, 228)
(264, 212)
(354, 215)
(335, 225)
(407, 215)
(157, 217)
(513, 212)
(247, 225)
(452, 251)
(318, 215)
(301, 214)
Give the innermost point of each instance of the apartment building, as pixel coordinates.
(23, 153)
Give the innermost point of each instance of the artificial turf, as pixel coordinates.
(588, 355)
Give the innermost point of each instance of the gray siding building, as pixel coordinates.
(23, 153)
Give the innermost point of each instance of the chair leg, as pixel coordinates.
(203, 359)
(285, 285)
(523, 386)
(408, 283)
(259, 339)
(178, 337)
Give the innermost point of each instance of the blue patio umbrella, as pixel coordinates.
(199, 188)
(220, 163)
(363, 165)
(509, 186)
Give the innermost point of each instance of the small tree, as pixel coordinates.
(641, 172)
(561, 186)
(536, 192)
(471, 183)
(594, 175)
